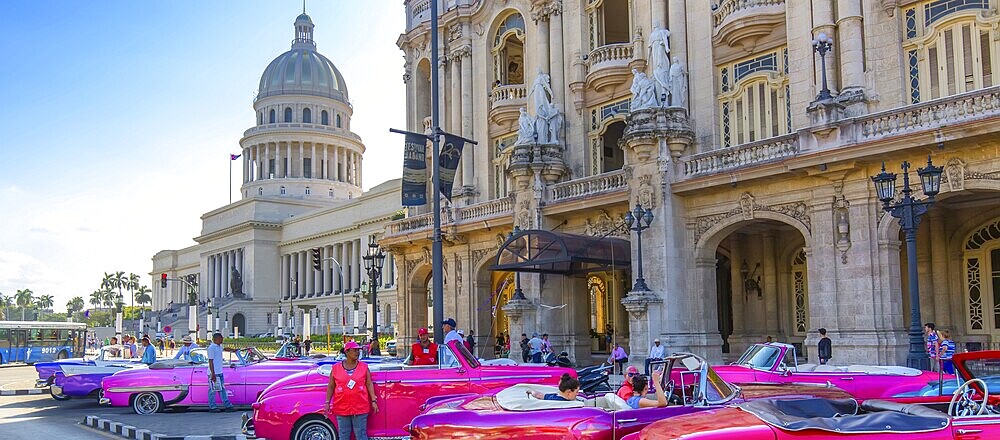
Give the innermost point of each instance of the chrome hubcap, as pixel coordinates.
(315, 432)
(146, 403)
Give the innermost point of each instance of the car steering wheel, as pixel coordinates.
(963, 403)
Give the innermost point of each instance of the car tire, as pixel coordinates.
(59, 397)
(315, 428)
(147, 403)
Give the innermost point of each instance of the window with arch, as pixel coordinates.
(754, 99)
(260, 118)
(607, 126)
(282, 191)
(609, 22)
(288, 114)
(950, 47)
(270, 119)
(308, 191)
(339, 125)
(260, 191)
(508, 51)
(324, 117)
(981, 263)
(307, 116)
(501, 158)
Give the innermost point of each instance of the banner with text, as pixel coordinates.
(451, 155)
(415, 170)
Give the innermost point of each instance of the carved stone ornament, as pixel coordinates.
(954, 174)
(458, 273)
(797, 210)
(637, 303)
(747, 206)
(842, 223)
(889, 6)
(454, 32)
(462, 52)
(410, 265)
(646, 194)
(542, 10)
(604, 225)
(478, 255)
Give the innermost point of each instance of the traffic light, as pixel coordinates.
(317, 261)
(163, 280)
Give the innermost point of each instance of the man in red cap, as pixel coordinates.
(626, 389)
(423, 352)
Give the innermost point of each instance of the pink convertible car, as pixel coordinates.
(292, 408)
(776, 362)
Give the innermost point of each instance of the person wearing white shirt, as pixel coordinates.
(656, 353)
(215, 368)
(450, 333)
(185, 351)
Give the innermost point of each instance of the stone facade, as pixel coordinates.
(765, 219)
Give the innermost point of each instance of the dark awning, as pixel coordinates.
(542, 251)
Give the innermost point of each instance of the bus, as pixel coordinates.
(38, 341)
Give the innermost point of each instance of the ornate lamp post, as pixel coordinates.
(908, 210)
(821, 45)
(281, 322)
(374, 261)
(357, 299)
(638, 220)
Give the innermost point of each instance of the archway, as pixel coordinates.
(612, 155)
(240, 323)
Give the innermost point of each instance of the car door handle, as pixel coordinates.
(968, 431)
(627, 420)
(846, 378)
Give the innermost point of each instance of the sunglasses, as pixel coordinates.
(631, 374)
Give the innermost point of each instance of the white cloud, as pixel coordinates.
(23, 271)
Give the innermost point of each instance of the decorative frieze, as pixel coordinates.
(748, 209)
(603, 225)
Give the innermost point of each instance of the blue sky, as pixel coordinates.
(117, 118)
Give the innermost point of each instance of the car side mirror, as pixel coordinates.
(786, 372)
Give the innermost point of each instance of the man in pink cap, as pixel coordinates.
(423, 352)
(626, 389)
(353, 394)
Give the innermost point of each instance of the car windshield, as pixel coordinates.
(986, 369)
(199, 356)
(251, 356)
(760, 357)
(717, 390)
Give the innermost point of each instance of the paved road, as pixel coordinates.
(39, 416)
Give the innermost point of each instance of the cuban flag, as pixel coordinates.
(234, 156)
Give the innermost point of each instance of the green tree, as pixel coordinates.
(142, 295)
(25, 298)
(74, 305)
(6, 301)
(97, 299)
(45, 302)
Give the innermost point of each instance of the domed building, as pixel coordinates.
(288, 256)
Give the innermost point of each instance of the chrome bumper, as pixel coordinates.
(104, 401)
(247, 425)
(42, 383)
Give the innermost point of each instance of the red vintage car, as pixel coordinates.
(971, 414)
(778, 363)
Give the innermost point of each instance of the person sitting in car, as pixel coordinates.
(625, 391)
(423, 352)
(640, 384)
(569, 388)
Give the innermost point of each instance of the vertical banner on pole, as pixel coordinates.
(451, 155)
(415, 170)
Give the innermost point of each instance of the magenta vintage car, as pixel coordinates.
(177, 382)
(292, 408)
(776, 362)
(689, 381)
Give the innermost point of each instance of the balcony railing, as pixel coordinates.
(613, 181)
(931, 114)
(410, 224)
(610, 54)
(742, 156)
(300, 125)
(509, 94)
(480, 211)
(729, 7)
(487, 209)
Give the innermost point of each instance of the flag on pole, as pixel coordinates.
(415, 170)
(234, 156)
(451, 155)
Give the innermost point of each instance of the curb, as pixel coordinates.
(131, 432)
(20, 392)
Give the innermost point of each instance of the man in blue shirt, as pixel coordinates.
(185, 351)
(148, 352)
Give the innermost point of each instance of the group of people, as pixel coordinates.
(940, 348)
(536, 348)
(146, 355)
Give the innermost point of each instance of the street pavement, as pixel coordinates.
(41, 417)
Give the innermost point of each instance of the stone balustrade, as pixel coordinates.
(931, 114)
(589, 186)
(742, 156)
(457, 215)
(298, 126)
(509, 94)
(729, 7)
(610, 54)
(420, 11)
(411, 224)
(487, 209)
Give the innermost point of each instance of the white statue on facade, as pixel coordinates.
(542, 92)
(525, 128)
(678, 84)
(643, 92)
(659, 62)
(554, 123)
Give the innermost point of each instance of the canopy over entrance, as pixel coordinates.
(542, 251)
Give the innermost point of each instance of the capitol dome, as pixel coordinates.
(302, 70)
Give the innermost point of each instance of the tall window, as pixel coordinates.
(338, 122)
(609, 22)
(324, 118)
(271, 118)
(288, 114)
(260, 118)
(282, 191)
(502, 150)
(307, 116)
(800, 293)
(508, 51)
(754, 99)
(308, 191)
(606, 129)
(949, 48)
(307, 168)
(982, 280)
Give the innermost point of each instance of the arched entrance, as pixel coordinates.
(240, 323)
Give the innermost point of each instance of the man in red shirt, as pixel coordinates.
(423, 352)
(625, 391)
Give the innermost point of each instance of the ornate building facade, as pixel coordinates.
(252, 266)
(711, 114)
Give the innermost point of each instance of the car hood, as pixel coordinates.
(761, 390)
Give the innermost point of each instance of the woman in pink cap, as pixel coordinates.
(352, 393)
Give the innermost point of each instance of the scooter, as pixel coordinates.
(594, 379)
(558, 361)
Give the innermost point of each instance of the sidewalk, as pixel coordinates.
(171, 425)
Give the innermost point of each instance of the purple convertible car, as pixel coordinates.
(81, 377)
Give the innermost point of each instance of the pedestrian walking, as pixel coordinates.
(525, 345)
(933, 344)
(470, 342)
(216, 383)
(536, 348)
(946, 352)
(424, 351)
(656, 353)
(824, 347)
(352, 393)
(619, 358)
(498, 348)
(450, 334)
(308, 345)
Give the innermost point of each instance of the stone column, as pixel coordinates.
(345, 250)
(336, 164)
(658, 16)
(468, 154)
(302, 160)
(287, 165)
(823, 22)
(678, 29)
(940, 254)
(325, 173)
(338, 253)
(357, 264)
(851, 43)
(312, 162)
(211, 276)
(557, 60)
(279, 166)
(267, 161)
(327, 264)
(293, 275)
(283, 277)
(541, 18)
(246, 161)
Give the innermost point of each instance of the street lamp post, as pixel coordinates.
(821, 45)
(291, 306)
(374, 261)
(357, 300)
(281, 323)
(638, 220)
(908, 210)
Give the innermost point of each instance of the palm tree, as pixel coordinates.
(121, 282)
(24, 300)
(97, 298)
(74, 305)
(6, 302)
(142, 295)
(45, 302)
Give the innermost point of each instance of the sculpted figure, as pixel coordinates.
(236, 283)
(525, 128)
(659, 62)
(643, 91)
(541, 92)
(555, 122)
(679, 84)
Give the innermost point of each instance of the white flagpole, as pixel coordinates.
(230, 179)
